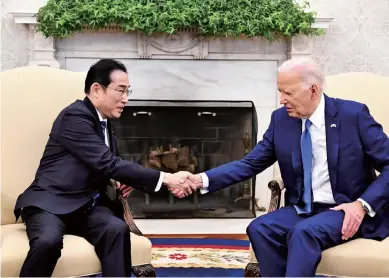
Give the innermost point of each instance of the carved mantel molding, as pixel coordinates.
(186, 44)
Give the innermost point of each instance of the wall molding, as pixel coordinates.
(187, 44)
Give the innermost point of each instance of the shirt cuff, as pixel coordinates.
(371, 212)
(205, 179)
(159, 184)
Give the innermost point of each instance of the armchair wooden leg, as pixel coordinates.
(146, 270)
(252, 270)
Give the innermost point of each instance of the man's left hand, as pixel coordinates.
(353, 216)
(125, 189)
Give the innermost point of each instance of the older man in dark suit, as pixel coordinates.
(80, 158)
(327, 150)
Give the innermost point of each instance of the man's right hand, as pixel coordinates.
(196, 180)
(180, 184)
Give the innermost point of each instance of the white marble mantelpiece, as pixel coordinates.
(44, 51)
(182, 66)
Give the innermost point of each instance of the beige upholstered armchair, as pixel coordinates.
(31, 98)
(359, 257)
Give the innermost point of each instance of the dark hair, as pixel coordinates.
(100, 72)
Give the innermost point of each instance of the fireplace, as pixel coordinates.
(192, 136)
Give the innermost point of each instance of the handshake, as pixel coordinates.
(182, 184)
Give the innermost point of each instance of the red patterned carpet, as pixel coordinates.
(186, 257)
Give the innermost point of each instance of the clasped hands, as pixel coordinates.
(182, 184)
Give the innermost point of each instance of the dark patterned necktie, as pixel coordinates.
(103, 126)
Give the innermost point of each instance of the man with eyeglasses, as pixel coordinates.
(68, 194)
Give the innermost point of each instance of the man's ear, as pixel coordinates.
(315, 91)
(94, 89)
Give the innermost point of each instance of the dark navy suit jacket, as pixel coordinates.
(77, 164)
(356, 146)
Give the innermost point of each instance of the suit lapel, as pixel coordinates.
(332, 126)
(90, 106)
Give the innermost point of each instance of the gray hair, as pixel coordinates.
(308, 69)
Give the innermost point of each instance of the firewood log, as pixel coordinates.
(169, 160)
(190, 168)
(183, 156)
(155, 159)
(193, 160)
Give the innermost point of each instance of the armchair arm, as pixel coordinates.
(126, 211)
(276, 186)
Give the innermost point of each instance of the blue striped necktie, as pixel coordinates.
(306, 154)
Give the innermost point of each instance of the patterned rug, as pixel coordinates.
(192, 257)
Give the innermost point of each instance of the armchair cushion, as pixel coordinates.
(77, 258)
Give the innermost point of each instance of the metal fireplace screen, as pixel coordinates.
(189, 136)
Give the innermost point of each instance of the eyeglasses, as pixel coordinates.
(123, 92)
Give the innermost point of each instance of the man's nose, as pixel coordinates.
(282, 100)
(125, 98)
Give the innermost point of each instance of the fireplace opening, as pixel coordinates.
(192, 136)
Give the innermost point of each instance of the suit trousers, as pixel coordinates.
(107, 233)
(288, 245)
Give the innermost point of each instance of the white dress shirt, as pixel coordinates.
(321, 186)
(105, 130)
(159, 184)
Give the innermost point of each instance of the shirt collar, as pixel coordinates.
(100, 117)
(317, 118)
